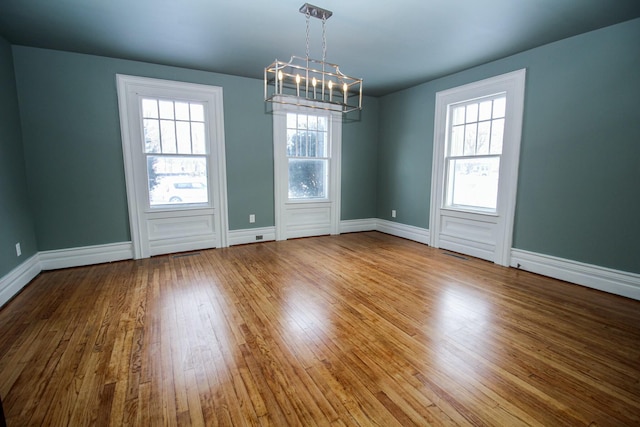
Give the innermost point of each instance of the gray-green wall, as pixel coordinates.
(73, 151)
(360, 135)
(16, 225)
(62, 176)
(578, 186)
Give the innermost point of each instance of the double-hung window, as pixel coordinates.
(473, 153)
(308, 156)
(307, 144)
(176, 150)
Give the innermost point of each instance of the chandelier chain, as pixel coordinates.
(308, 15)
(324, 38)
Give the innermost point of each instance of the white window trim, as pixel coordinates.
(280, 163)
(513, 84)
(173, 89)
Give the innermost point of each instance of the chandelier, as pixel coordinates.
(311, 82)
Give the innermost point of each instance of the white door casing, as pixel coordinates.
(313, 217)
(169, 229)
(486, 235)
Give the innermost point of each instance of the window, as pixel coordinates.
(474, 148)
(176, 151)
(307, 156)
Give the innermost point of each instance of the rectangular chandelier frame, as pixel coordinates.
(302, 80)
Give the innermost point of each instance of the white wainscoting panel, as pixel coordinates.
(186, 244)
(169, 228)
(468, 234)
(181, 233)
(466, 246)
(305, 220)
(589, 275)
(473, 230)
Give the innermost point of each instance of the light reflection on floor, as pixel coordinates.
(204, 340)
(304, 313)
(462, 317)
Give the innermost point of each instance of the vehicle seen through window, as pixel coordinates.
(182, 189)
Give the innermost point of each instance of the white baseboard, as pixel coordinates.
(87, 255)
(410, 232)
(358, 225)
(592, 276)
(248, 235)
(18, 278)
(251, 235)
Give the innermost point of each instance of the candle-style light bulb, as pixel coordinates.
(330, 90)
(280, 77)
(314, 82)
(297, 84)
(345, 88)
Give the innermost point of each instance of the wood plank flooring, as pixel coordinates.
(353, 330)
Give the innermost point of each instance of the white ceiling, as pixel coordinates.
(392, 45)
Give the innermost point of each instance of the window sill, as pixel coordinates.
(470, 211)
(306, 201)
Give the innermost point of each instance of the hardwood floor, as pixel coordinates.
(359, 329)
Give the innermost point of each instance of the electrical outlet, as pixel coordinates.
(393, 213)
(18, 249)
(252, 218)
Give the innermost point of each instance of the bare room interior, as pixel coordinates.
(339, 213)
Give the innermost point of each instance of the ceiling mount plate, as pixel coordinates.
(315, 11)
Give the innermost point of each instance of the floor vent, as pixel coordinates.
(185, 255)
(456, 256)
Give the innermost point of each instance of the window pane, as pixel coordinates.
(307, 178)
(457, 140)
(306, 144)
(312, 144)
(473, 183)
(313, 122)
(291, 142)
(472, 113)
(302, 121)
(485, 110)
(182, 111)
(150, 108)
(151, 136)
(484, 129)
(322, 123)
(497, 133)
(168, 136)
(197, 112)
(458, 115)
(307, 149)
(166, 110)
(322, 144)
(198, 144)
(177, 180)
(183, 131)
(292, 121)
(499, 107)
(302, 143)
(470, 132)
